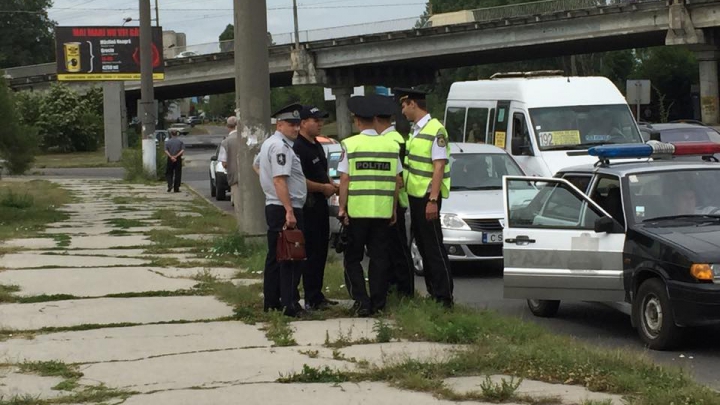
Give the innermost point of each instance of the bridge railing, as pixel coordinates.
(499, 13)
(543, 7)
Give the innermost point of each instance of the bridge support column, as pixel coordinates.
(344, 124)
(709, 103)
(114, 119)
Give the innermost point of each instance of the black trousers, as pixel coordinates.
(373, 233)
(401, 274)
(317, 236)
(429, 238)
(280, 279)
(173, 174)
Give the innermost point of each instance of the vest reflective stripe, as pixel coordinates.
(356, 155)
(428, 175)
(390, 193)
(403, 200)
(373, 178)
(372, 167)
(420, 159)
(420, 164)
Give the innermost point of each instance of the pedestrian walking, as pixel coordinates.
(174, 149)
(228, 155)
(401, 276)
(283, 183)
(315, 212)
(427, 181)
(369, 179)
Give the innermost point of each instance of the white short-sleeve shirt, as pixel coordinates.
(438, 152)
(277, 159)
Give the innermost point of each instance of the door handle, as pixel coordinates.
(521, 240)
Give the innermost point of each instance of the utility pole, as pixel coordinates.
(252, 98)
(297, 27)
(147, 94)
(157, 14)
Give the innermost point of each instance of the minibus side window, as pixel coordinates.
(455, 123)
(477, 123)
(520, 136)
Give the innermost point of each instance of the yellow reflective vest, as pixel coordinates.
(419, 160)
(402, 193)
(372, 167)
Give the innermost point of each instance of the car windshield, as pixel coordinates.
(481, 171)
(670, 195)
(580, 127)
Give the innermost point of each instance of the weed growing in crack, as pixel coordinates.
(6, 293)
(313, 354)
(501, 391)
(383, 330)
(315, 375)
(278, 330)
(49, 369)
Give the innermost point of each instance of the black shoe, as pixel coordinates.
(321, 306)
(169, 189)
(177, 191)
(360, 310)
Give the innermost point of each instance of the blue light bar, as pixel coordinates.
(636, 150)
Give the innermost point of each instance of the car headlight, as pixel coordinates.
(452, 221)
(706, 272)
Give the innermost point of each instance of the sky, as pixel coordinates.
(203, 21)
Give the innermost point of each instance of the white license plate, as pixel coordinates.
(492, 237)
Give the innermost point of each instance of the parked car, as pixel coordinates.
(182, 129)
(472, 217)
(185, 54)
(679, 132)
(193, 120)
(642, 236)
(333, 151)
(218, 178)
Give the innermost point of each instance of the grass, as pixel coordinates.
(50, 369)
(75, 159)
(27, 207)
(278, 329)
(6, 293)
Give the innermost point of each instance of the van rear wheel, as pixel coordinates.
(544, 308)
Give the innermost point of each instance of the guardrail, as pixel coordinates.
(488, 14)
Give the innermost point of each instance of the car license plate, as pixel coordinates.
(492, 237)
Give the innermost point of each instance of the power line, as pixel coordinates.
(212, 9)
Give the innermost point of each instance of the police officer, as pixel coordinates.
(316, 213)
(369, 180)
(401, 275)
(283, 182)
(427, 182)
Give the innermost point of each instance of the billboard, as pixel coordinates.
(104, 53)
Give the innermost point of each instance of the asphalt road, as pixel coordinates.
(480, 286)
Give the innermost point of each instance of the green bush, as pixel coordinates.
(19, 201)
(132, 162)
(18, 142)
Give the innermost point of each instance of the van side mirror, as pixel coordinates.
(604, 225)
(213, 158)
(519, 146)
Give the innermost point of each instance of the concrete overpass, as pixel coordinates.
(413, 56)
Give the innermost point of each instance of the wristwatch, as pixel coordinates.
(433, 200)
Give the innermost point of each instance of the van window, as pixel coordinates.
(521, 144)
(477, 123)
(580, 127)
(455, 123)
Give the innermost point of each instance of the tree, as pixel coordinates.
(26, 37)
(65, 120)
(18, 142)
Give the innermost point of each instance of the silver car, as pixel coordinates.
(472, 217)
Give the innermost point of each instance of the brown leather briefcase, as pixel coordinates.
(290, 245)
